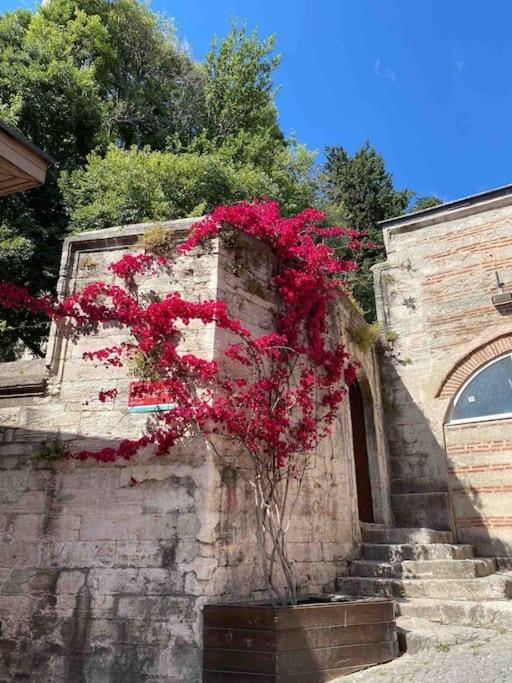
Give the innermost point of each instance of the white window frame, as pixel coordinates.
(481, 418)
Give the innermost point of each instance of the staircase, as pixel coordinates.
(431, 579)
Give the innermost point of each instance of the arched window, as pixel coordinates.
(487, 394)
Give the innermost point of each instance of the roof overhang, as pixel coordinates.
(483, 201)
(22, 164)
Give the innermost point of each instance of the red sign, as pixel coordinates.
(147, 397)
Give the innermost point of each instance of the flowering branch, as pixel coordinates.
(284, 398)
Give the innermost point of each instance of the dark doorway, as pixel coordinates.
(364, 489)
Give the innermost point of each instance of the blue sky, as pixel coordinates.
(428, 83)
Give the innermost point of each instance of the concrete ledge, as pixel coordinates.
(23, 378)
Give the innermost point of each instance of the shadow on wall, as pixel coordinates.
(376, 451)
(479, 465)
(94, 581)
(460, 484)
(419, 477)
(479, 531)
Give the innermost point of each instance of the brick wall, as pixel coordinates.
(434, 291)
(103, 580)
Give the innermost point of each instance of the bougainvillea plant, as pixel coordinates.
(274, 398)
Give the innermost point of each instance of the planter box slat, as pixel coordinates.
(336, 614)
(312, 677)
(308, 643)
(239, 639)
(242, 661)
(279, 618)
(296, 639)
(228, 616)
(320, 659)
(333, 636)
(298, 661)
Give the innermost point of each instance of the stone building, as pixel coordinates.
(445, 296)
(104, 580)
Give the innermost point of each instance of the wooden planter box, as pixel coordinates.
(308, 643)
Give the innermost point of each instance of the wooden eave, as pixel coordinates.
(22, 164)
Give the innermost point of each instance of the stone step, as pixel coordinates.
(431, 510)
(416, 635)
(398, 552)
(405, 535)
(494, 587)
(492, 614)
(504, 563)
(451, 569)
(375, 568)
(414, 465)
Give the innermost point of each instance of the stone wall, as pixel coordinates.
(105, 568)
(435, 295)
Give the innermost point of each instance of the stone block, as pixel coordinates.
(305, 552)
(203, 567)
(142, 553)
(195, 587)
(61, 527)
(70, 582)
(18, 553)
(15, 501)
(78, 554)
(28, 527)
(39, 480)
(136, 581)
(9, 417)
(94, 479)
(21, 581)
(102, 605)
(187, 525)
(129, 527)
(156, 608)
(187, 548)
(336, 552)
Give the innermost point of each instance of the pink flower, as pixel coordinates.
(277, 394)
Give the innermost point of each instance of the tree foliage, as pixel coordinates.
(141, 132)
(362, 188)
(105, 87)
(237, 152)
(239, 90)
(423, 203)
(358, 191)
(134, 185)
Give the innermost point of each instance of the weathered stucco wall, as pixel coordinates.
(435, 293)
(104, 580)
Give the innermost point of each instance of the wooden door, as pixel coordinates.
(364, 489)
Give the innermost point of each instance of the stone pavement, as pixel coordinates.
(486, 660)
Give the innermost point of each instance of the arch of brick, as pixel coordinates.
(465, 367)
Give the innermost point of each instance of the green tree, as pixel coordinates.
(74, 76)
(239, 89)
(357, 191)
(423, 203)
(140, 71)
(238, 151)
(77, 76)
(240, 116)
(136, 185)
